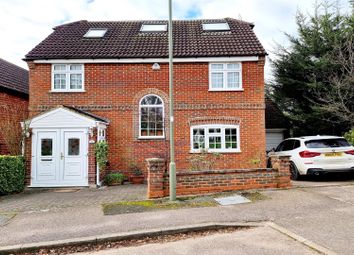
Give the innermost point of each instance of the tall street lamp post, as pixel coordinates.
(172, 165)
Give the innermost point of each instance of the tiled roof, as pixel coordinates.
(274, 117)
(124, 39)
(13, 77)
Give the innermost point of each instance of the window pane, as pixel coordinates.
(214, 130)
(230, 138)
(151, 121)
(46, 147)
(74, 146)
(217, 80)
(75, 67)
(198, 138)
(214, 142)
(59, 81)
(151, 100)
(217, 66)
(234, 66)
(75, 81)
(59, 67)
(233, 79)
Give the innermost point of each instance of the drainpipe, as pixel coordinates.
(98, 183)
(23, 139)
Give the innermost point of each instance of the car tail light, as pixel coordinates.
(350, 152)
(309, 154)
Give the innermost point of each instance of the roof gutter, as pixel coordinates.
(148, 60)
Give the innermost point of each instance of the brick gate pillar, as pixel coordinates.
(282, 165)
(156, 168)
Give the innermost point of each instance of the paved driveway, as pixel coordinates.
(42, 200)
(325, 180)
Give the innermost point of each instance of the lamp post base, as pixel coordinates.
(172, 181)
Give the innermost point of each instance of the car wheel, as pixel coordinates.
(294, 173)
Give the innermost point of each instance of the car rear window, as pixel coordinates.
(327, 143)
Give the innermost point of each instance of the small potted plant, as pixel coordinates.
(137, 177)
(113, 179)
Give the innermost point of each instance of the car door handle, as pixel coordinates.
(61, 155)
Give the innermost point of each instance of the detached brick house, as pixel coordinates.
(13, 101)
(92, 81)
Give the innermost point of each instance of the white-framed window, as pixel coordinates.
(215, 138)
(216, 26)
(153, 28)
(67, 77)
(151, 117)
(95, 32)
(225, 76)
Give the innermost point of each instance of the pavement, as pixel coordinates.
(321, 214)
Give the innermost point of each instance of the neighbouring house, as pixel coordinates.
(277, 126)
(13, 106)
(92, 81)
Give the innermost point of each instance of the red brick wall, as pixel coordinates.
(114, 90)
(13, 110)
(210, 181)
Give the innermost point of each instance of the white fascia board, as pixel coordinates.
(149, 60)
(86, 121)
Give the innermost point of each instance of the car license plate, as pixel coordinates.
(333, 154)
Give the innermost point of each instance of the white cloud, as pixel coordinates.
(24, 23)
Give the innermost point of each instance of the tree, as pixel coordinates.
(313, 78)
(10, 128)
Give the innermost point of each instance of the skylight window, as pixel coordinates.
(153, 28)
(95, 33)
(216, 26)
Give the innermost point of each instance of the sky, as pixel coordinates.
(25, 23)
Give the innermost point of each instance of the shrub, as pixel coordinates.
(12, 174)
(114, 178)
(101, 152)
(350, 136)
(135, 169)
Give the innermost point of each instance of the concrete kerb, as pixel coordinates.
(158, 232)
(122, 236)
(320, 249)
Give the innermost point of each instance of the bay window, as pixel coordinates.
(215, 138)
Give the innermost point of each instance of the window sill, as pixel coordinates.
(151, 138)
(215, 151)
(67, 91)
(226, 90)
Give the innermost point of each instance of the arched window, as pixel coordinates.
(151, 119)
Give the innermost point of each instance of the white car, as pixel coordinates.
(315, 155)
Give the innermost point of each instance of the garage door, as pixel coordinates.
(273, 139)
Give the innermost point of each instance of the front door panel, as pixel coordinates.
(47, 161)
(74, 156)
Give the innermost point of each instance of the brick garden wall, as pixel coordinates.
(200, 182)
(13, 110)
(114, 90)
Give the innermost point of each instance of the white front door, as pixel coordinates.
(59, 158)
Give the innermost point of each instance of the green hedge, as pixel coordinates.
(12, 174)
